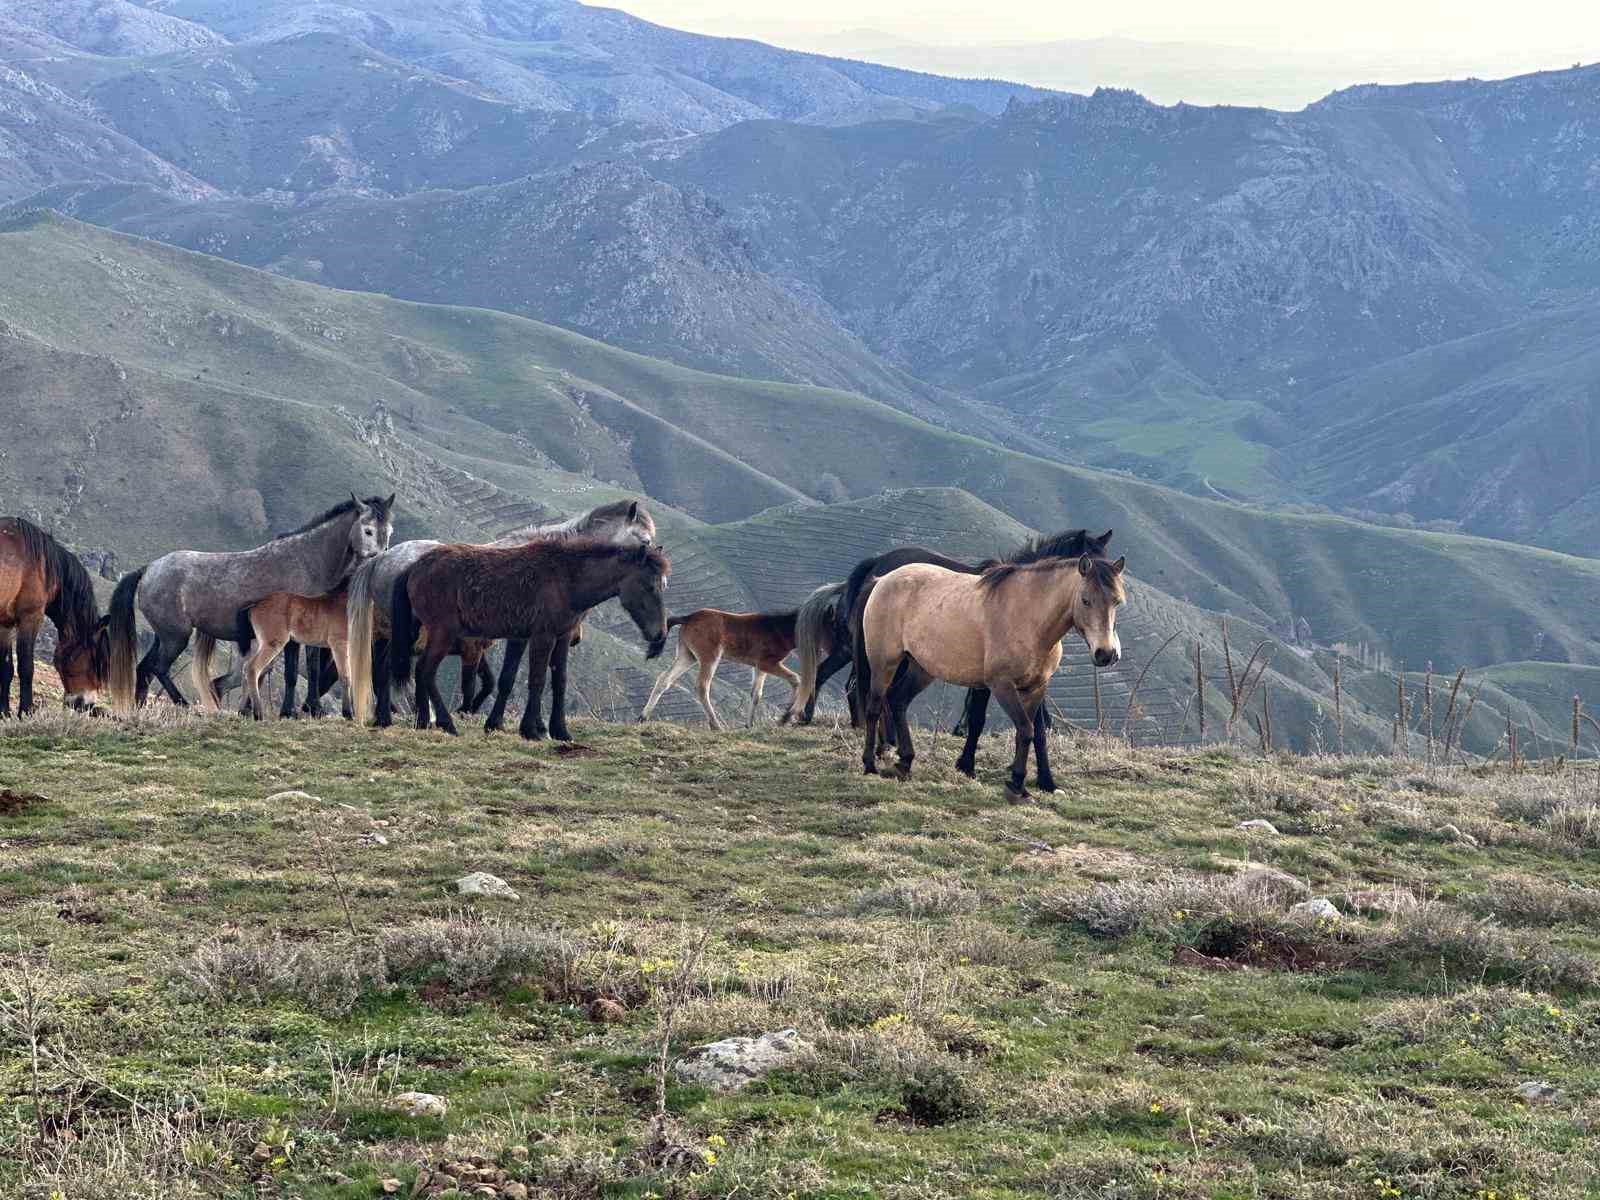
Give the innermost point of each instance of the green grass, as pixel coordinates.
(971, 1035)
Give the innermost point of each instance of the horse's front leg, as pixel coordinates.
(1021, 714)
(428, 687)
(1041, 748)
(291, 677)
(382, 688)
(508, 680)
(558, 689)
(27, 635)
(539, 651)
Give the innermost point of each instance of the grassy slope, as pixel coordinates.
(907, 930)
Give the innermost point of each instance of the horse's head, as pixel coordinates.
(373, 526)
(82, 660)
(1099, 594)
(644, 596)
(632, 526)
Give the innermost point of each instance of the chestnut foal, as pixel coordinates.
(759, 640)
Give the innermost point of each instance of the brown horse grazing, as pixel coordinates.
(759, 640)
(39, 578)
(313, 621)
(1001, 630)
(533, 594)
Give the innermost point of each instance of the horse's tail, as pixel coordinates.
(200, 669)
(860, 669)
(814, 623)
(849, 598)
(124, 641)
(674, 622)
(402, 630)
(358, 613)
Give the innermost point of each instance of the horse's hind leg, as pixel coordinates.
(382, 689)
(486, 682)
(838, 658)
(540, 650)
(7, 671)
(291, 676)
(756, 688)
(910, 683)
(976, 717)
(428, 687)
(27, 634)
(169, 645)
(1041, 748)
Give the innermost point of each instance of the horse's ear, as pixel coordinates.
(102, 627)
(360, 508)
(388, 505)
(1116, 567)
(1104, 539)
(1085, 565)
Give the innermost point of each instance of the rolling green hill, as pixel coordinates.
(172, 399)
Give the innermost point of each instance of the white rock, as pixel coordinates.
(1536, 1091)
(481, 883)
(1455, 835)
(730, 1064)
(293, 796)
(419, 1104)
(1258, 825)
(1317, 909)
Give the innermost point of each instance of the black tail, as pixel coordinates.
(402, 630)
(674, 622)
(124, 640)
(244, 634)
(847, 600)
(861, 671)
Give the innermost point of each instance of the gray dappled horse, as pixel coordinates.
(192, 593)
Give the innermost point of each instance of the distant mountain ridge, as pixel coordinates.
(1203, 297)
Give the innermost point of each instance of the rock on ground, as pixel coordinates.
(730, 1064)
(1317, 909)
(481, 883)
(1258, 825)
(419, 1104)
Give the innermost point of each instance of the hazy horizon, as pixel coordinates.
(1263, 59)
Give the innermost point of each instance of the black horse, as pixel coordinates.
(1072, 543)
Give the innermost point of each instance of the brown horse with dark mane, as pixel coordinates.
(39, 578)
(534, 594)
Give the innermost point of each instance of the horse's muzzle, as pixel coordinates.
(657, 645)
(1106, 658)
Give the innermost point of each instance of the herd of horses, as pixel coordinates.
(382, 618)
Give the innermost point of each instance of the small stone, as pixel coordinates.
(730, 1064)
(1454, 834)
(374, 838)
(1317, 910)
(515, 1191)
(520, 1153)
(293, 796)
(390, 1186)
(1269, 881)
(606, 1011)
(1258, 825)
(419, 1104)
(1536, 1091)
(262, 1152)
(420, 1183)
(481, 883)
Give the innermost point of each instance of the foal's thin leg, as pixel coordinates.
(755, 695)
(1041, 749)
(680, 664)
(508, 680)
(558, 689)
(532, 726)
(486, 682)
(977, 716)
(708, 672)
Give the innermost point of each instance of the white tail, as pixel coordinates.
(200, 670)
(358, 611)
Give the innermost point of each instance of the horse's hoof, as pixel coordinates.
(869, 768)
(1045, 783)
(560, 735)
(967, 769)
(1017, 795)
(900, 771)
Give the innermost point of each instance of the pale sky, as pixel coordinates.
(1413, 29)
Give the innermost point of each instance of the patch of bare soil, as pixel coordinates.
(14, 802)
(574, 750)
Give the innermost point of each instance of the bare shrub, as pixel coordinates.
(1114, 910)
(468, 954)
(935, 896)
(1528, 900)
(260, 970)
(164, 1153)
(1576, 824)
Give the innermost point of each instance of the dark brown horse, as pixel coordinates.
(1071, 543)
(39, 578)
(532, 594)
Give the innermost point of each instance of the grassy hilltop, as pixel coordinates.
(241, 942)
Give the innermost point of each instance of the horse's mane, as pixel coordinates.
(75, 605)
(576, 546)
(605, 512)
(1099, 570)
(338, 510)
